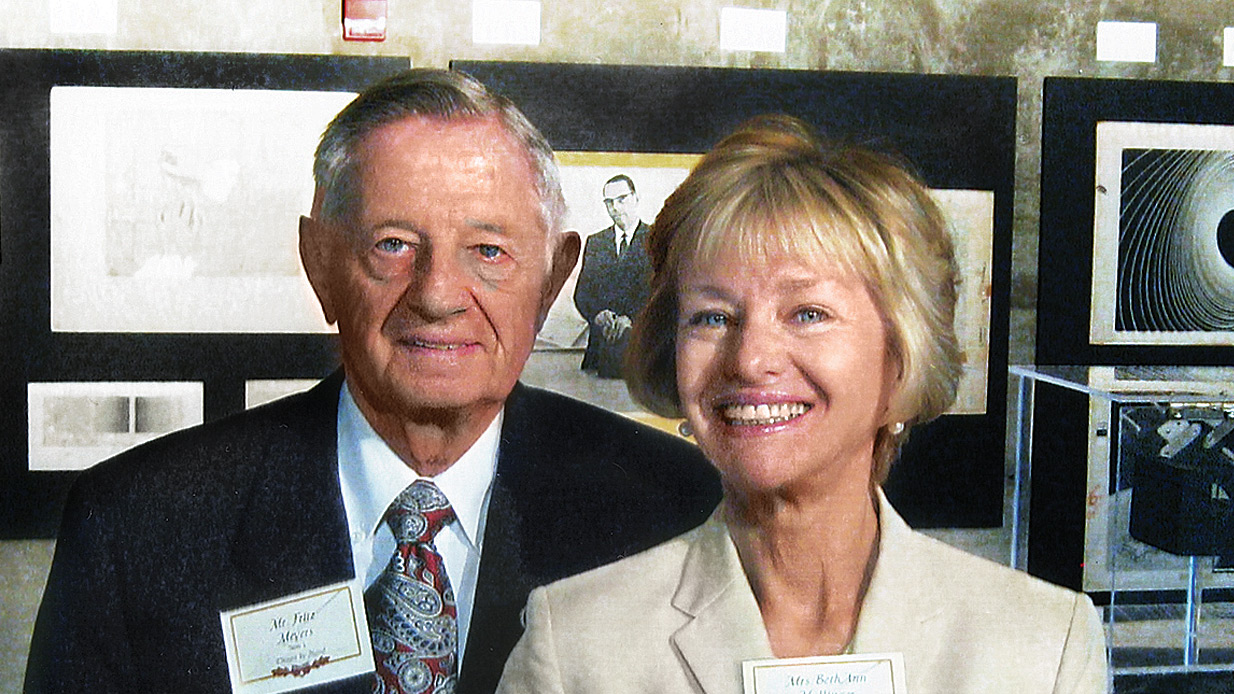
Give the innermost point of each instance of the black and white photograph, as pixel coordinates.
(174, 210)
(1163, 242)
(72, 426)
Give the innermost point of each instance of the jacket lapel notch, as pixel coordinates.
(725, 626)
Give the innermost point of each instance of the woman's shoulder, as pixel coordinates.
(960, 582)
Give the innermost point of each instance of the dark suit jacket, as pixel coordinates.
(155, 542)
(621, 285)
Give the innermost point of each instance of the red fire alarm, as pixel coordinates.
(364, 20)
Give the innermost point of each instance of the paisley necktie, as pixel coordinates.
(412, 616)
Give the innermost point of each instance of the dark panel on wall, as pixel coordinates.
(958, 131)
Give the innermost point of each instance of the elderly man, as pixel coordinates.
(423, 472)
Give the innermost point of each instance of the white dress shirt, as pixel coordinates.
(372, 475)
(618, 232)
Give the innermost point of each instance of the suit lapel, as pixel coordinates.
(726, 626)
(504, 580)
(293, 533)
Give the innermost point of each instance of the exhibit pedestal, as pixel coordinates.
(1124, 488)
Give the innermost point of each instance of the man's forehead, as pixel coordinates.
(480, 140)
(616, 189)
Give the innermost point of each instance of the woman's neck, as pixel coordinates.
(808, 558)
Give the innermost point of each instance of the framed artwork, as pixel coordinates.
(75, 425)
(150, 204)
(958, 131)
(175, 210)
(1136, 262)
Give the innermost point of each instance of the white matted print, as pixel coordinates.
(583, 175)
(1163, 235)
(970, 215)
(176, 210)
(72, 426)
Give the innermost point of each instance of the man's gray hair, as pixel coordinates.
(430, 93)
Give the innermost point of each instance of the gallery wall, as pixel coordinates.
(1026, 39)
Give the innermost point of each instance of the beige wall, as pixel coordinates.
(1026, 38)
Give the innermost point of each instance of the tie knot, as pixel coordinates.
(419, 513)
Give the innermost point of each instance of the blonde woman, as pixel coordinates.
(801, 321)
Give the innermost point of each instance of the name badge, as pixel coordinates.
(867, 673)
(298, 641)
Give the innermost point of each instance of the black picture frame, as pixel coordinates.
(958, 131)
(30, 502)
(1072, 107)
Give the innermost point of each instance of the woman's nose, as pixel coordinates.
(758, 351)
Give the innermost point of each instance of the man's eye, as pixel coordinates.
(489, 251)
(708, 319)
(393, 245)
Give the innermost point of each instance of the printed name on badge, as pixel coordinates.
(867, 673)
(298, 641)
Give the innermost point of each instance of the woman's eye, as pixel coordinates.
(810, 315)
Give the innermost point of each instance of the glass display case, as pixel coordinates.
(1124, 487)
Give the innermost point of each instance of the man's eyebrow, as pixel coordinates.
(401, 224)
(486, 226)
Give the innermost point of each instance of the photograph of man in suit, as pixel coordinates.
(613, 282)
(436, 244)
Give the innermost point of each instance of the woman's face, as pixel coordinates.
(783, 371)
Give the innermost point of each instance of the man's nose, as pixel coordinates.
(440, 286)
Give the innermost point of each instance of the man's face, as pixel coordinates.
(439, 282)
(622, 204)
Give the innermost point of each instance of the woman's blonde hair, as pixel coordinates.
(775, 187)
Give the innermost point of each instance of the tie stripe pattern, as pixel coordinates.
(413, 619)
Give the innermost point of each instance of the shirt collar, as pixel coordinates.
(375, 475)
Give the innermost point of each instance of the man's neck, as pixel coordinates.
(429, 442)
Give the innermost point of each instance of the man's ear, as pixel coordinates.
(316, 248)
(565, 257)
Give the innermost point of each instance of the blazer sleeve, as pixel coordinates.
(79, 635)
(533, 667)
(1083, 668)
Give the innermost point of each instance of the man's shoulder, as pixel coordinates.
(559, 421)
(281, 430)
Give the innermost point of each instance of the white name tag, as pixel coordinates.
(867, 673)
(298, 640)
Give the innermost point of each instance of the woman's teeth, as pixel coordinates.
(764, 414)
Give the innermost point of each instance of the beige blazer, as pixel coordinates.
(681, 617)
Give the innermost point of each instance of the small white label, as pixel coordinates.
(510, 22)
(1127, 42)
(867, 673)
(743, 29)
(1228, 52)
(298, 641)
